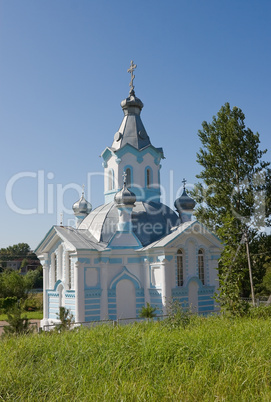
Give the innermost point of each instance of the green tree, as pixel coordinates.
(66, 319)
(18, 325)
(233, 194)
(14, 284)
(148, 311)
(20, 250)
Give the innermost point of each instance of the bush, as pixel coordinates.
(178, 315)
(17, 325)
(260, 312)
(66, 318)
(147, 312)
(7, 303)
(32, 304)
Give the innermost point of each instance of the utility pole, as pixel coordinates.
(249, 269)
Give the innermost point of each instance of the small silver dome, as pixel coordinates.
(82, 206)
(184, 202)
(125, 196)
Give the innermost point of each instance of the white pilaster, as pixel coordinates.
(147, 281)
(165, 283)
(45, 265)
(104, 295)
(79, 292)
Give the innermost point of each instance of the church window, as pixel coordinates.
(110, 180)
(148, 177)
(201, 266)
(128, 176)
(180, 276)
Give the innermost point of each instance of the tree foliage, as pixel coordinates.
(148, 311)
(234, 188)
(14, 284)
(17, 251)
(18, 325)
(66, 320)
(234, 193)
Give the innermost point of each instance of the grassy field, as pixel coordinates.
(32, 315)
(212, 359)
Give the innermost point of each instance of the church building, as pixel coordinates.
(133, 249)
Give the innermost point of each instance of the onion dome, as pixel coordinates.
(82, 206)
(184, 202)
(125, 196)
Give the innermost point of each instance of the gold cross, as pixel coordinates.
(131, 71)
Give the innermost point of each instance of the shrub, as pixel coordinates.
(260, 312)
(7, 303)
(66, 318)
(178, 315)
(32, 304)
(147, 312)
(17, 325)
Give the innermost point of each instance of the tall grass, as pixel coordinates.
(211, 359)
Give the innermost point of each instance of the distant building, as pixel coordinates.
(133, 249)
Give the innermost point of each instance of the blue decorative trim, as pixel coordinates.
(135, 260)
(206, 290)
(155, 292)
(57, 284)
(84, 260)
(70, 294)
(215, 256)
(93, 293)
(94, 318)
(179, 292)
(115, 260)
(125, 274)
(107, 154)
(130, 149)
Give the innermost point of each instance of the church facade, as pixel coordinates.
(133, 249)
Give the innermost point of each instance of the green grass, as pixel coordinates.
(32, 315)
(212, 359)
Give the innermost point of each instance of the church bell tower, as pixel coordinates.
(133, 154)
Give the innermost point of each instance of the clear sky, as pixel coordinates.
(63, 74)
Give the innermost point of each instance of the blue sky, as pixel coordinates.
(63, 74)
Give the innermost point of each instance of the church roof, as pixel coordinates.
(192, 227)
(132, 130)
(150, 221)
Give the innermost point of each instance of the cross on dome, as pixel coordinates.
(184, 183)
(131, 71)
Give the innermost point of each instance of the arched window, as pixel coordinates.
(180, 276)
(110, 180)
(201, 266)
(148, 177)
(128, 177)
